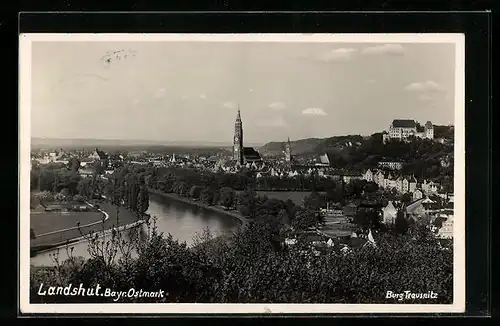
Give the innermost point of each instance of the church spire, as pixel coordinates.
(238, 139)
(288, 151)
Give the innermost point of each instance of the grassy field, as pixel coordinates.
(52, 221)
(49, 222)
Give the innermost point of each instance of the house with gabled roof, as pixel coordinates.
(402, 128)
(412, 186)
(379, 179)
(368, 175)
(389, 213)
(98, 155)
(417, 194)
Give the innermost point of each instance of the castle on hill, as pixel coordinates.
(403, 129)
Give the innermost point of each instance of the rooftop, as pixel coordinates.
(400, 123)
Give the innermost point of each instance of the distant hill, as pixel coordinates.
(37, 142)
(338, 143)
(300, 147)
(313, 145)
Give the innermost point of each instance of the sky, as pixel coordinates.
(190, 91)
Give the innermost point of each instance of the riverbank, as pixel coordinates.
(243, 220)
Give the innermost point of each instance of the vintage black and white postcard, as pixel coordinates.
(251, 173)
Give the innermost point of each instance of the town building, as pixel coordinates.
(97, 155)
(412, 184)
(392, 165)
(242, 155)
(417, 194)
(288, 151)
(379, 179)
(430, 187)
(368, 176)
(389, 214)
(325, 159)
(446, 230)
(238, 139)
(403, 128)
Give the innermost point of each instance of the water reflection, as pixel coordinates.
(182, 220)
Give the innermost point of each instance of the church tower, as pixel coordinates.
(288, 151)
(238, 139)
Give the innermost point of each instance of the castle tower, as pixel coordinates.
(429, 130)
(238, 139)
(288, 151)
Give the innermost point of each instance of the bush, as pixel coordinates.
(249, 268)
(78, 198)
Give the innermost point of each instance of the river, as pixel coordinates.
(183, 221)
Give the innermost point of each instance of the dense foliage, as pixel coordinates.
(254, 268)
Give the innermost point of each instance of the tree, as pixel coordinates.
(251, 268)
(46, 180)
(195, 192)
(370, 187)
(78, 198)
(60, 197)
(84, 188)
(305, 219)
(406, 198)
(34, 178)
(368, 218)
(207, 196)
(74, 164)
(247, 203)
(401, 224)
(46, 197)
(227, 196)
(181, 188)
(216, 197)
(314, 201)
(143, 201)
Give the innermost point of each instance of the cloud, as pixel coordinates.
(341, 54)
(278, 106)
(314, 111)
(274, 123)
(184, 97)
(425, 97)
(250, 90)
(136, 102)
(203, 96)
(230, 105)
(160, 93)
(371, 81)
(385, 49)
(426, 86)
